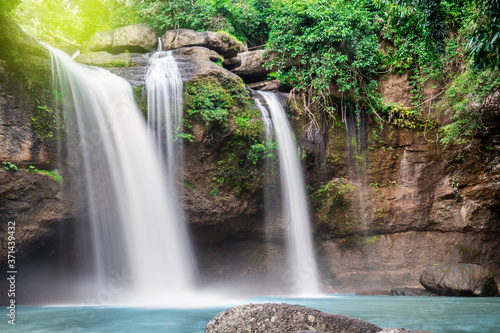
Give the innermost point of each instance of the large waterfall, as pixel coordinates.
(303, 269)
(132, 226)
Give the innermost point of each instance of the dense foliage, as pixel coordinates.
(242, 18)
(331, 52)
(76, 20)
(333, 42)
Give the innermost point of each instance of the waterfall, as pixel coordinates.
(165, 123)
(356, 133)
(132, 226)
(164, 88)
(303, 269)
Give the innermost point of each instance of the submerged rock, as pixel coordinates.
(459, 280)
(281, 318)
(106, 59)
(410, 292)
(134, 38)
(222, 43)
(373, 292)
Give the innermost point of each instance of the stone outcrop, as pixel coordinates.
(273, 85)
(134, 38)
(33, 200)
(201, 62)
(281, 318)
(222, 43)
(410, 292)
(106, 59)
(250, 65)
(459, 280)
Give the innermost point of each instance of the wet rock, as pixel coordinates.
(134, 38)
(250, 65)
(401, 330)
(459, 280)
(200, 61)
(106, 59)
(279, 318)
(222, 43)
(274, 85)
(410, 292)
(373, 292)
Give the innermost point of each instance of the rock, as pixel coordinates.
(401, 330)
(201, 62)
(279, 318)
(250, 65)
(106, 59)
(274, 85)
(130, 66)
(410, 292)
(134, 38)
(373, 292)
(222, 43)
(459, 280)
(61, 44)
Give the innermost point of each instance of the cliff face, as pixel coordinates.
(381, 213)
(415, 203)
(32, 199)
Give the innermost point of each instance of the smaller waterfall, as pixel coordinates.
(303, 269)
(270, 203)
(165, 123)
(164, 87)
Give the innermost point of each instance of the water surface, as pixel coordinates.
(438, 314)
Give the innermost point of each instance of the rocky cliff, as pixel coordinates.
(383, 211)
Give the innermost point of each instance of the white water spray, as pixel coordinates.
(132, 222)
(303, 269)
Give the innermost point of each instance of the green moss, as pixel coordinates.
(224, 106)
(352, 241)
(468, 255)
(227, 37)
(209, 100)
(7, 166)
(115, 63)
(54, 174)
(30, 61)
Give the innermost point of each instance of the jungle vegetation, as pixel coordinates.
(339, 45)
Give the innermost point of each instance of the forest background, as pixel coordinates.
(338, 44)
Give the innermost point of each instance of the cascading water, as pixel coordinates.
(356, 131)
(165, 124)
(295, 210)
(164, 88)
(271, 203)
(132, 225)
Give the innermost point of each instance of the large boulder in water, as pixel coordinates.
(134, 38)
(223, 43)
(459, 280)
(284, 318)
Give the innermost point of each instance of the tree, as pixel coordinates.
(484, 45)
